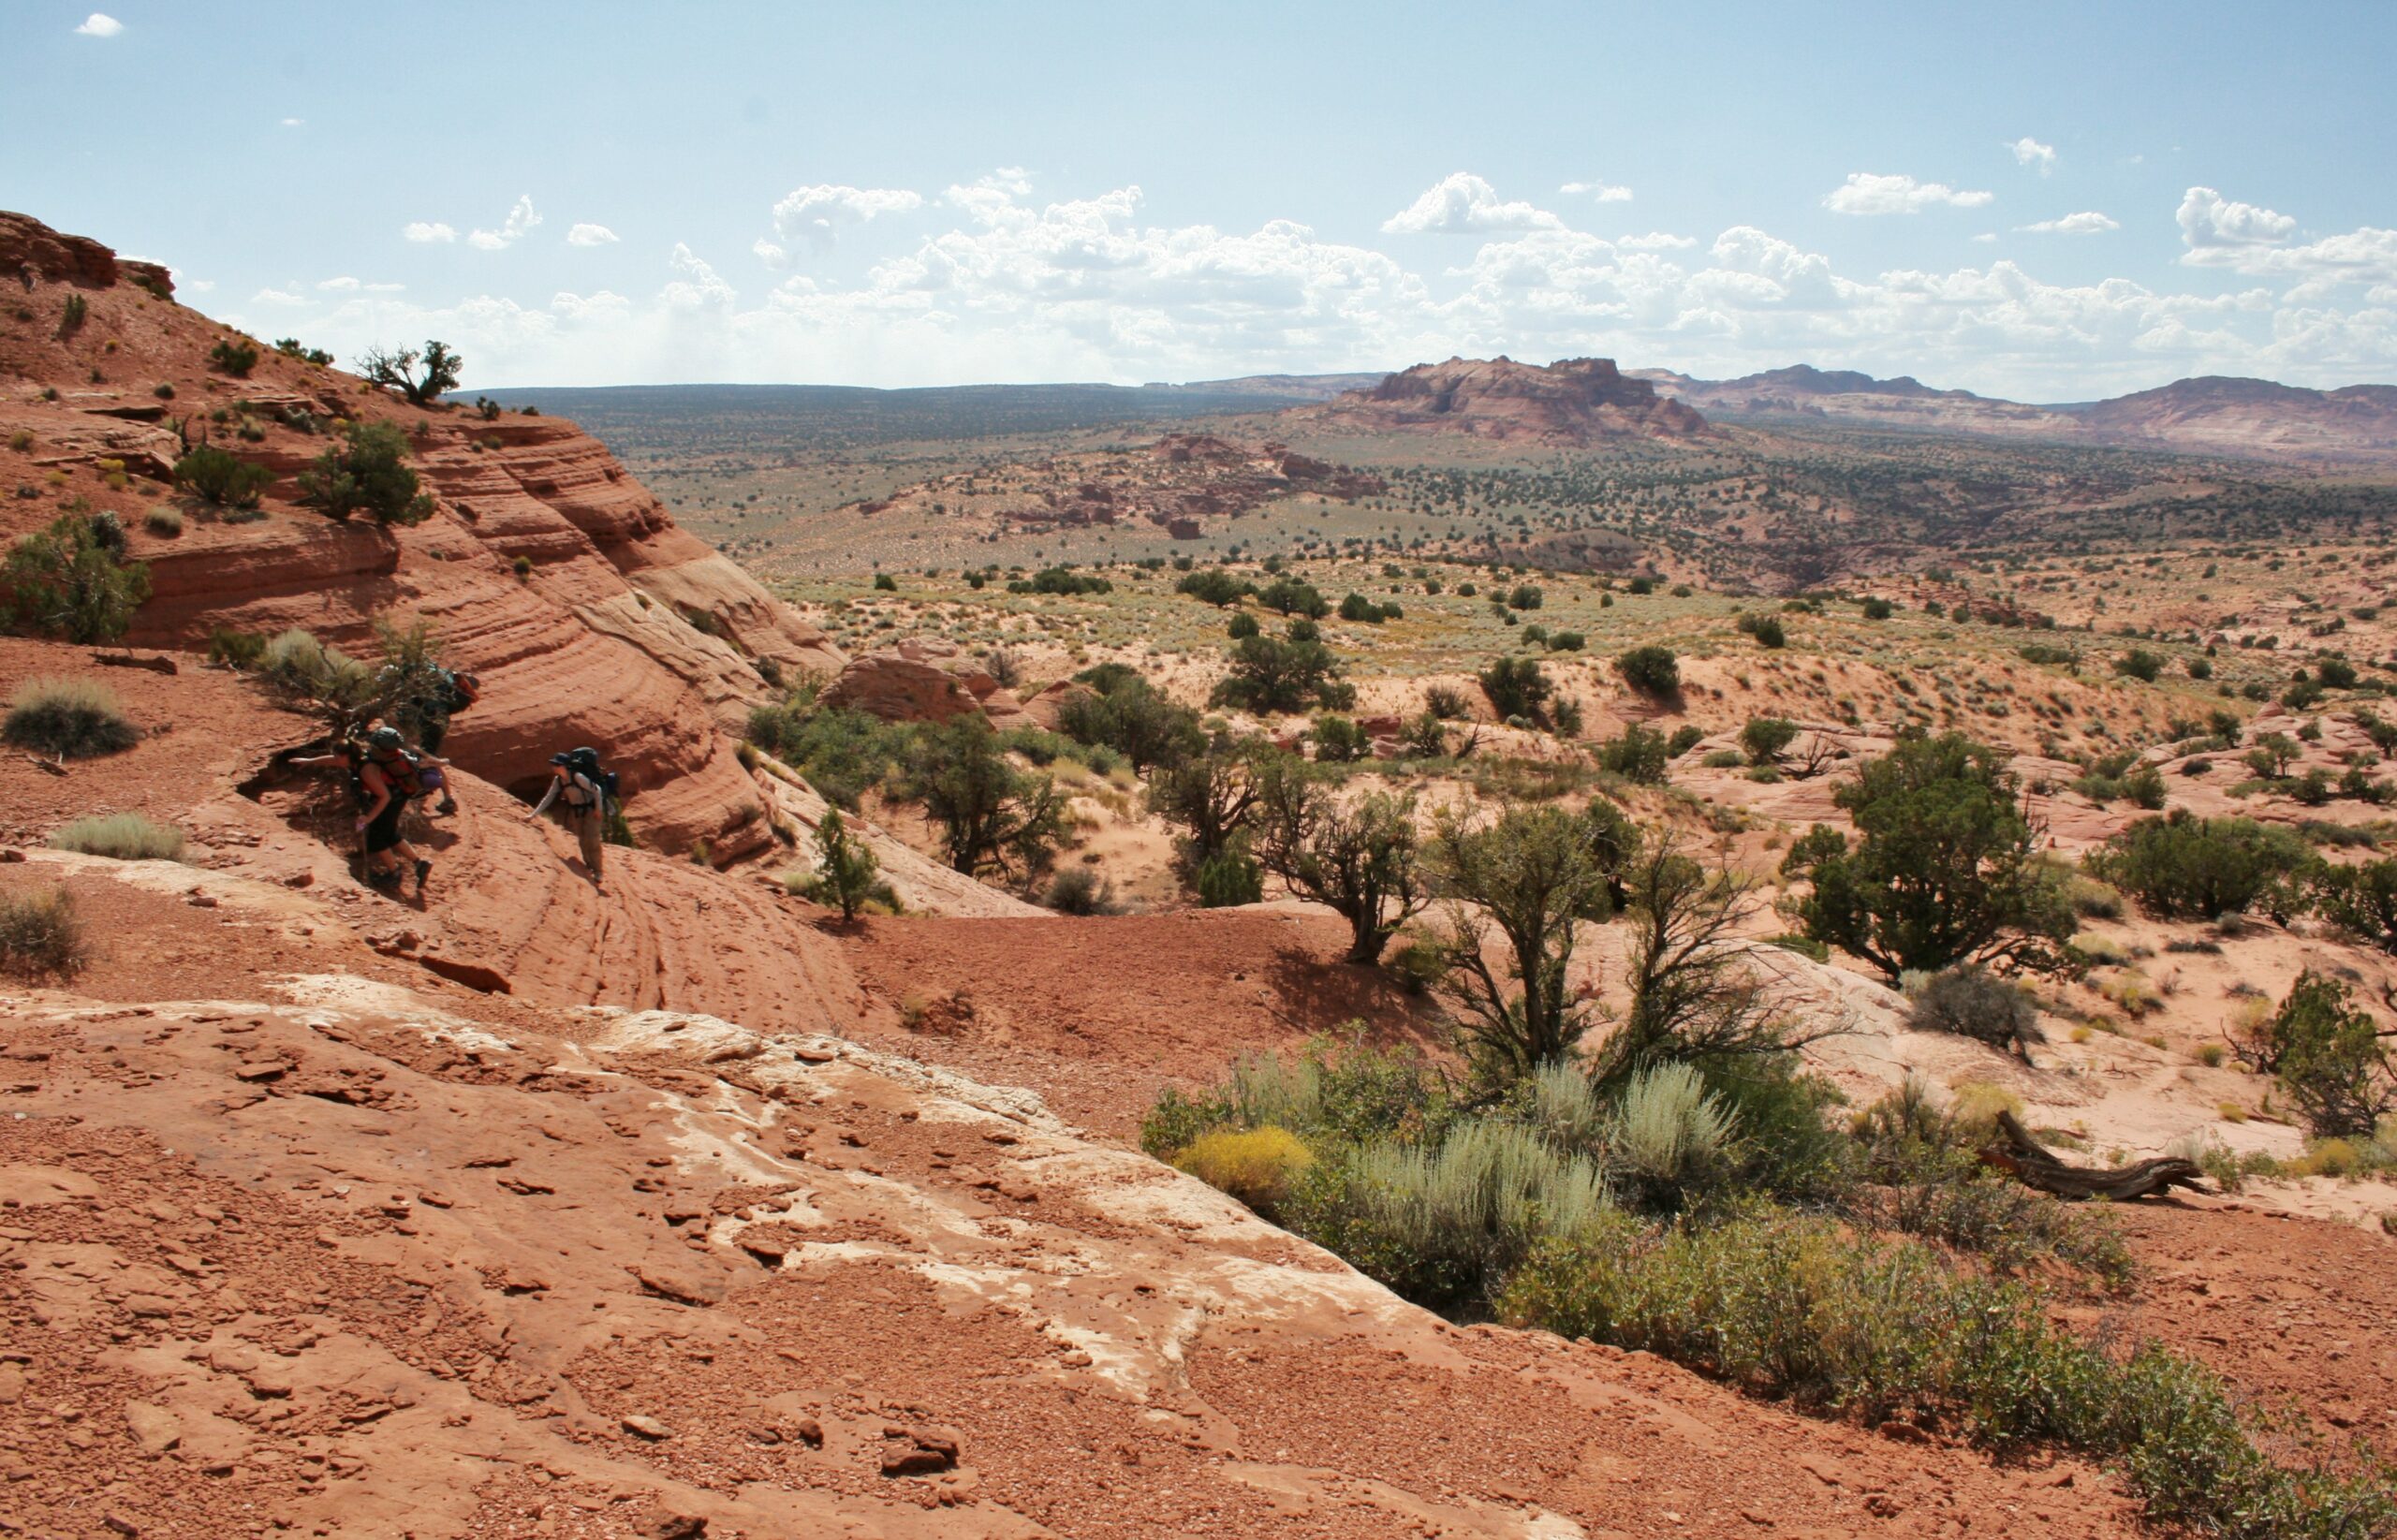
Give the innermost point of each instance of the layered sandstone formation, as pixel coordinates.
(545, 569)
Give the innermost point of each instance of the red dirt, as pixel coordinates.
(1097, 1014)
(2296, 1310)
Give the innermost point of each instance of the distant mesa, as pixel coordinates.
(2214, 414)
(1574, 400)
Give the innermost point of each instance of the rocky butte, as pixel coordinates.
(1574, 400)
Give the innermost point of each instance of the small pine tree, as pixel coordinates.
(845, 870)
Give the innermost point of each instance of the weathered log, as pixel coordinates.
(158, 662)
(2033, 1164)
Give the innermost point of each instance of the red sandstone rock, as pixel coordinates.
(1575, 400)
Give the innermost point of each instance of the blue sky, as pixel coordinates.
(2054, 203)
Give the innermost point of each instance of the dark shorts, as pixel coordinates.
(384, 832)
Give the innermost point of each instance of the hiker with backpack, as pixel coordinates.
(581, 790)
(382, 778)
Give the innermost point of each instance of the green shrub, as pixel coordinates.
(1271, 675)
(1445, 702)
(1124, 712)
(67, 719)
(121, 836)
(1638, 755)
(368, 473)
(1356, 606)
(1765, 737)
(2184, 867)
(41, 936)
(1231, 876)
(1291, 596)
(216, 476)
(1766, 629)
(1242, 624)
(842, 754)
(1339, 740)
(1213, 586)
(2139, 664)
(1444, 1222)
(1515, 687)
(234, 357)
(1878, 610)
(1653, 671)
(1081, 891)
(2328, 1058)
(69, 582)
(1669, 1139)
(885, 583)
(164, 522)
(1970, 1003)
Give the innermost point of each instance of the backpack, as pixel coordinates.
(451, 695)
(585, 763)
(403, 773)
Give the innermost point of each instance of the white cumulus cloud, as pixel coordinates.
(815, 215)
(768, 253)
(295, 123)
(2087, 222)
(1461, 203)
(2211, 221)
(518, 223)
(1604, 192)
(2251, 240)
(1870, 193)
(427, 232)
(2030, 152)
(699, 287)
(591, 235)
(1007, 286)
(99, 25)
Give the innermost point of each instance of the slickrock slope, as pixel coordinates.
(1573, 401)
(339, 1256)
(621, 631)
(508, 906)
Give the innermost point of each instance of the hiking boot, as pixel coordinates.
(423, 870)
(447, 804)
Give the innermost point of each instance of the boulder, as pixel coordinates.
(924, 679)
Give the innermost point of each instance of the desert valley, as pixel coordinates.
(1553, 950)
